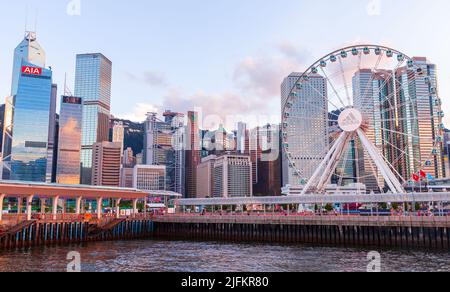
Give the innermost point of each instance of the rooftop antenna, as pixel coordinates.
(67, 91)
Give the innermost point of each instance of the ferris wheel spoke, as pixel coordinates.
(333, 88)
(369, 84)
(375, 174)
(400, 133)
(404, 153)
(341, 178)
(347, 92)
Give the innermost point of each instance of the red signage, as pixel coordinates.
(31, 70)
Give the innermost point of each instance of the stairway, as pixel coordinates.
(4, 231)
(96, 230)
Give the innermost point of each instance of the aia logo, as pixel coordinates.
(31, 70)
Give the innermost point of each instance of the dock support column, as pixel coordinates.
(135, 210)
(19, 205)
(42, 201)
(78, 205)
(2, 197)
(118, 208)
(99, 208)
(55, 207)
(29, 204)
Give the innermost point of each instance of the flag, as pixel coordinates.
(416, 178)
(423, 174)
(430, 177)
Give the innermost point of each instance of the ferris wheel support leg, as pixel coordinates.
(392, 181)
(332, 165)
(323, 164)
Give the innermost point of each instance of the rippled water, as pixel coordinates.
(184, 256)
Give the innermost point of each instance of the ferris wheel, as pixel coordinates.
(363, 115)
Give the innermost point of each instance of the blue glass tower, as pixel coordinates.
(93, 85)
(27, 115)
(27, 126)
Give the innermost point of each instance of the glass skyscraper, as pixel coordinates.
(93, 84)
(69, 148)
(27, 112)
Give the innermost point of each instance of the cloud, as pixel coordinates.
(153, 79)
(263, 75)
(140, 111)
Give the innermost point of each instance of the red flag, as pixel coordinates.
(416, 178)
(423, 174)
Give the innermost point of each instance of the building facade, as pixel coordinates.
(69, 146)
(93, 84)
(27, 115)
(149, 177)
(309, 133)
(205, 177)
(164, 145)
(106, 164)
(193, 151)
(232, 176)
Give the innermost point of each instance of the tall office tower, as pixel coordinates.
(118, 133)
(192, 153)
(52, 135)
(164, 145)
(312, 144)
(2, 124)
(149, 177)
(266, 161)
(232, 176)
(93, 84)
(371, 91)
(420, 117)
(205, 177)
(106, 164)
(27, 112)
(69, 144)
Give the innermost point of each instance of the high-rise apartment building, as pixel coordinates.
(27, 115)
(311, 128)
(106, 164)
(193, 157)
(232, 176)
(69, 145)
(93, 84)
(149, 177)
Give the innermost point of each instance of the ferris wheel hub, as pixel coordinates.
(350, 120)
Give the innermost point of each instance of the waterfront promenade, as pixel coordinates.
(431, 232)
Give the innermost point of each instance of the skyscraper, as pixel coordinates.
(312, 129)
(149, 177)
(27, 115)
(420, 119)
(69, 147)
(232, 176)
(192, 153)
(93, 84)
(106, 164)
(52, 135)
(266, 162)
(163, 145)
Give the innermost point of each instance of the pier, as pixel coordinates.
(345, 231)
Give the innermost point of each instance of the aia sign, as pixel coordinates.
(31, 70)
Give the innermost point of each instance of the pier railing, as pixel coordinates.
(413, 221)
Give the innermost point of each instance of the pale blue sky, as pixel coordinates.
(228, 56)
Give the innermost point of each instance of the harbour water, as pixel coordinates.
(192, 256)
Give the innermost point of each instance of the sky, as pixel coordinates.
(223, 57)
